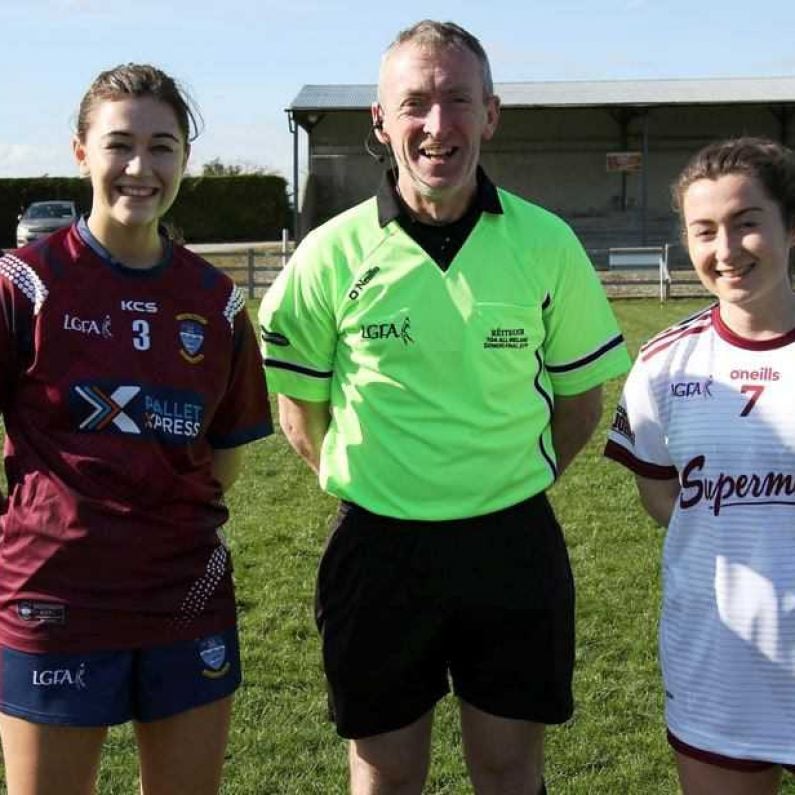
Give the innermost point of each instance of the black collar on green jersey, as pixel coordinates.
(441, 242)
(391, 207)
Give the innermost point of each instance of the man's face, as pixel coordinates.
(434, 114)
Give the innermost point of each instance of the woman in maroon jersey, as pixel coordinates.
(129, 381)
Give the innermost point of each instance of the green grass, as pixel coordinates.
(281, 743)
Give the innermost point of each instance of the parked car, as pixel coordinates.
(42, 218)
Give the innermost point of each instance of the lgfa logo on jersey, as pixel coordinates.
(686, 389)
(191, 335)
(95, 328)
(61, 677)
(212, 651)
(385, 331)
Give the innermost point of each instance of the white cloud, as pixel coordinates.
(27, 160)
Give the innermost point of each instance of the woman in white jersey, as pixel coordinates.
(706, 422)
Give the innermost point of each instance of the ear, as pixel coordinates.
(79, 151)
(492, 117)
(377, 115)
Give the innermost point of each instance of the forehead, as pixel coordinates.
(417, 67)
(140, 115)
(727, 195)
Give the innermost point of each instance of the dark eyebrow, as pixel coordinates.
(125, 134)
(742, 211)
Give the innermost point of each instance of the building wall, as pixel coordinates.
(555, 157)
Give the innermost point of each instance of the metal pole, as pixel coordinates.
(293, 125)
(644, 181)
(250, 265)
(285, 238)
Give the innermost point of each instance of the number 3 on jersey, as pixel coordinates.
(141, 339)
(755, 390)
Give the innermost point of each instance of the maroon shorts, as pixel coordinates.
(727, 762)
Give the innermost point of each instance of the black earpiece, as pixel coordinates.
(370, 140)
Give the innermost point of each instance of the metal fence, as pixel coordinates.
(252, 269)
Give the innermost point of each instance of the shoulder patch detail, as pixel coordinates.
(25, 279)
(696, 324)
(234, 305)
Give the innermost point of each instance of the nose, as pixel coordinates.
(137, 164)
(726, 244)
(435, 119)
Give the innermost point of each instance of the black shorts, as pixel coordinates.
(488, 601)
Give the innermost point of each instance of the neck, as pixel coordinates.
(775, 318)
(435, 207)
(134, 246)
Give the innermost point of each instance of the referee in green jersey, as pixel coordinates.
(438, 351)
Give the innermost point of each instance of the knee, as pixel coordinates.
(504, 770)
(401, 774)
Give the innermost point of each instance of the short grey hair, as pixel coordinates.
(439, 35)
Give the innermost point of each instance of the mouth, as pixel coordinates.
(735, 273)
(438, 154)
(136, 191)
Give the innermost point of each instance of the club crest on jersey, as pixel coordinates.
(191, 336)
(212, 651)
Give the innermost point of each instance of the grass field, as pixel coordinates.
(281, 743)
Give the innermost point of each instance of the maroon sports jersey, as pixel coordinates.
(115, 385)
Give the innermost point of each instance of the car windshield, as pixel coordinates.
(49, 210)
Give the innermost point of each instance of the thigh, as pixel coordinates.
(395, 761)
(184, 754)
(42, 759)
(702, 778)
(513, 650)
(380, 623)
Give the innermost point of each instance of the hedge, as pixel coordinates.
(207, 210)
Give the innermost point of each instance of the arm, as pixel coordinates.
(658, 497)
(574, 419)
(226, 465)
(305, 423)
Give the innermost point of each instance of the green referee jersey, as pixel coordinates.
(441, 384)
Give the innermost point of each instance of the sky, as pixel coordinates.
(244, 61)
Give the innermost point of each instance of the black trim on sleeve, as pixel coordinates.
(563, 368)
(296, 368)
(645, 469)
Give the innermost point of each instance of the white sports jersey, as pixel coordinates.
(718, 412)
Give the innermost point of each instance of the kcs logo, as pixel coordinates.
(149, 307)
